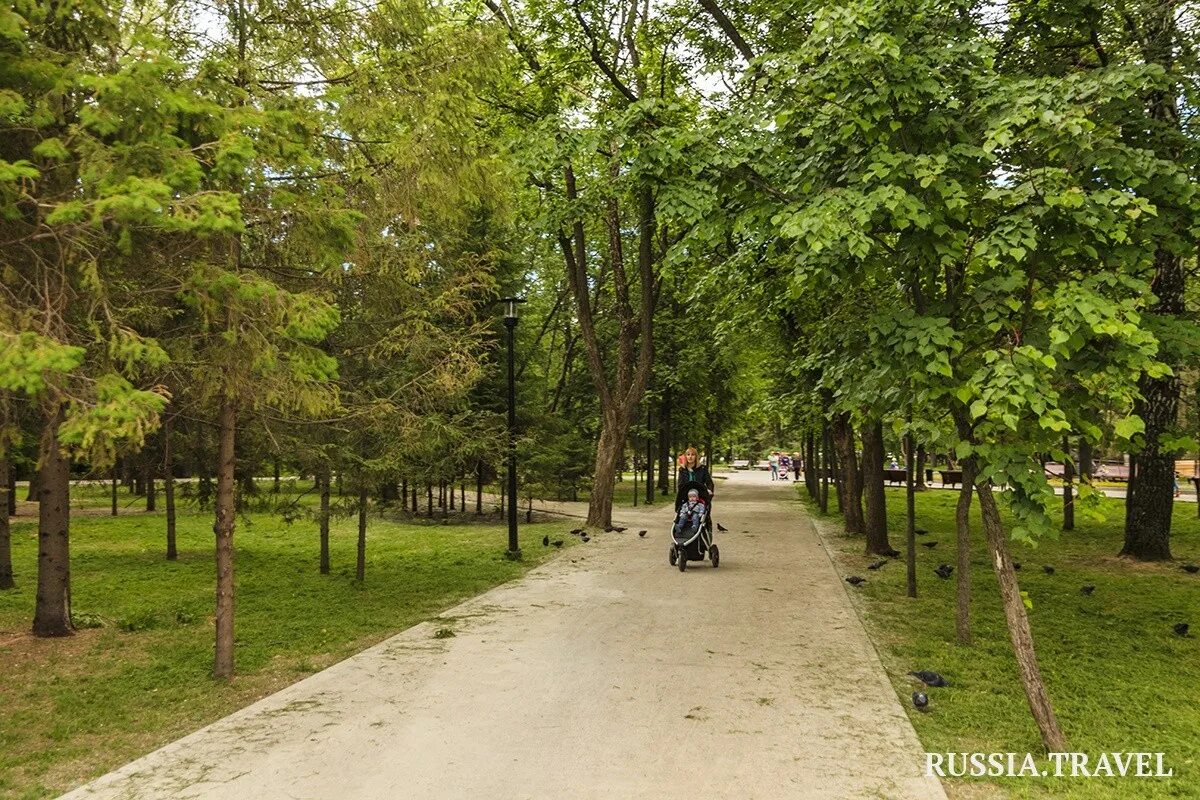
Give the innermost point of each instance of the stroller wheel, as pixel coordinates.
(682, 561)
(674, 555)
(715, 555)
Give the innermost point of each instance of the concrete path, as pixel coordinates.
(603, 674)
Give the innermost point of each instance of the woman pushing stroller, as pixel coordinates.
(692, 471)
(691, 535)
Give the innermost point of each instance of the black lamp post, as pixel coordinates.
(510, 322)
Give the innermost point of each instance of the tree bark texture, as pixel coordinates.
(873, 488)
(6, 568)
(52, 613)
(843, 439)
(1018, 625)
(360, 568)
(962, 526)
(1068, 488)
(910, 515)
(226, 516)
(169, 491)
(323, 479)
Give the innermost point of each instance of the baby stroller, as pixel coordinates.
(692, 544)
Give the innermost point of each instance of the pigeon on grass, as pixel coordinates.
(929, 678)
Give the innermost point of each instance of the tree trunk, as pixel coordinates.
(360, 568)
(275, 489)
(608, 453)
(843, 439)
(1068, 482)
(810, 466)
(114, 490)
(1151, 492)
(921, 458)
(169, 490)
(34, 495)
(665, 460)
(6, 570)
(834, 471)
(323, 479)
(1084, 467)
(962, 525)
(1018, 625)
(429, 499)
(52, 615)
(10, 500)
(226, 517)
(1150, 497)
(873, 483)
(151, 489)
(823, 500)
(910, 514)
(479, 489)
(650, 437)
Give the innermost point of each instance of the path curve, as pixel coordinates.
(602, 674)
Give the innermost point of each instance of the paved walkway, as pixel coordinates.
(602, 674)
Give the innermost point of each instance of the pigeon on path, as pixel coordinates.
(545, 541)
(920, 532)
(854, 580)
(1017, 566)
(877, 564)
(1181, 629)
(586, 538)
(1049, 570)
(722, 528)
(557, 543)
(1087, 589)
(929, 678)
(577, 532)
(920, 700)
(944, 571)
(891, 553)
(1192, 568)
(642, 534)
(930, 545)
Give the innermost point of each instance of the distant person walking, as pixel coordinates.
(796, 465)
(773, 460)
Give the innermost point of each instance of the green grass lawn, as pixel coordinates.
(72, 709)
(1119, 677)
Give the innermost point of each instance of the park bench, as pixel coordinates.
(741, 463)
(950, 477)
(1113, 472)
(895, 475)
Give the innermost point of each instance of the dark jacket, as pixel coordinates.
(699, 475)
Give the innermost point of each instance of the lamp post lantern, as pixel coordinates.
(510, 322)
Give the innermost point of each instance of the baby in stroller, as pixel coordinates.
(690, 516)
